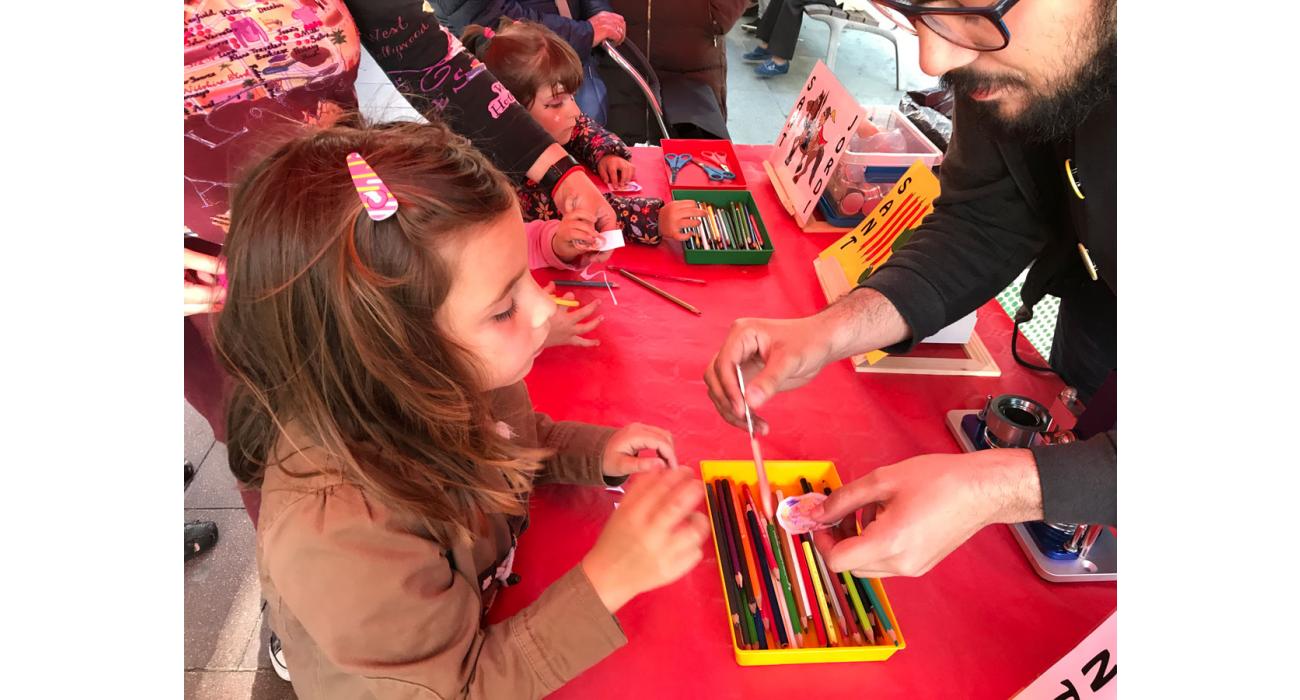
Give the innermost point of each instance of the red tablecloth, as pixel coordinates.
(981, 624)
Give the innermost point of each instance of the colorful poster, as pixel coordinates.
(816, 132)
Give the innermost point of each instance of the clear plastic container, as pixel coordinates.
(898, 143)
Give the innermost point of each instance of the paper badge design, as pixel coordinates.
(795, 513)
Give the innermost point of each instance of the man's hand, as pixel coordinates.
(915, 512)
(775, 355)
(778, 355)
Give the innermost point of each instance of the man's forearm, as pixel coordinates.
(1009, 481)
(861, 321)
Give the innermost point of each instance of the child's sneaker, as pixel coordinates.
(772, 68)
(758, 55)
(276, 652)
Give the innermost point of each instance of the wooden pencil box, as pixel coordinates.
(784, 475)
(723, 198)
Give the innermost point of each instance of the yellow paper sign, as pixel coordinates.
(864, 249)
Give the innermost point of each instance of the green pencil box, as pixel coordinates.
(723, 198)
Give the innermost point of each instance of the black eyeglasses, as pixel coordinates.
(976, 28)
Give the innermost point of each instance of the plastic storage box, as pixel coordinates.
(785, 475)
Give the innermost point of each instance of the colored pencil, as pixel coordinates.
(784, 597)
(815, 618)
(843, 608)
(860, 611)
(660, 292)
(831, 636)
(794, 565)
(659, 276)
(828, 585)
(850, 620)
(734, 569)
(756, 536)
(752, 585)
(878, 608)
(724, 560)
(750, 609)
(772, 547)
(566, 302)
(791, 605)
(586, 283)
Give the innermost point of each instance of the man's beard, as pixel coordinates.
(1045, 118)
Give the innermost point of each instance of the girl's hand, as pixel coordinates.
(615, 171)
(203, 292)
(654, 537)
(678, 215)
(621, 451)
(568, 326)
(576, 235)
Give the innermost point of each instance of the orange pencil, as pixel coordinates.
(748, 546)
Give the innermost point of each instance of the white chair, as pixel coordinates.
(839, 19)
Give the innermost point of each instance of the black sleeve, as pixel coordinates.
(434, 72)
(1079, 480)
(981, 234)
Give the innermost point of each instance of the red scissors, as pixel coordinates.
(718, 159)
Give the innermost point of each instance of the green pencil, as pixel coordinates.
(857, 607)
(785, 579)
(880, 609)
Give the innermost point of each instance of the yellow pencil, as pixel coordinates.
(566, 302)
(821, 596)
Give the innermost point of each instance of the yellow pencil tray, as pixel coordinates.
(784, 475)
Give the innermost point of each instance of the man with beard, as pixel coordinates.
(1029, 178)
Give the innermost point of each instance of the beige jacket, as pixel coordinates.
(368, 605)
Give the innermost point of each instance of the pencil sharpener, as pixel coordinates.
(1010, 421)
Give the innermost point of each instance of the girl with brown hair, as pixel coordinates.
(543, 73)
(379, 407)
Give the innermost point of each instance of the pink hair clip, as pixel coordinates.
(487, 32)
(375, 197)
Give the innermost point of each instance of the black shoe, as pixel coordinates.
(200, 536)
(189, 473)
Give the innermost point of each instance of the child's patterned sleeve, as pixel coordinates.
(639, 217)
(591, 142)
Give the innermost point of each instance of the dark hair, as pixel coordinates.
(525, 57)
(329, 323)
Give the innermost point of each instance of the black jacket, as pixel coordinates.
(1002, 206)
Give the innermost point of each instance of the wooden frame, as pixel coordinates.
(976, 362)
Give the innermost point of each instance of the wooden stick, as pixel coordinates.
(660, 292)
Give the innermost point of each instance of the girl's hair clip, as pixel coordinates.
(487, 32)
(375, 197)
